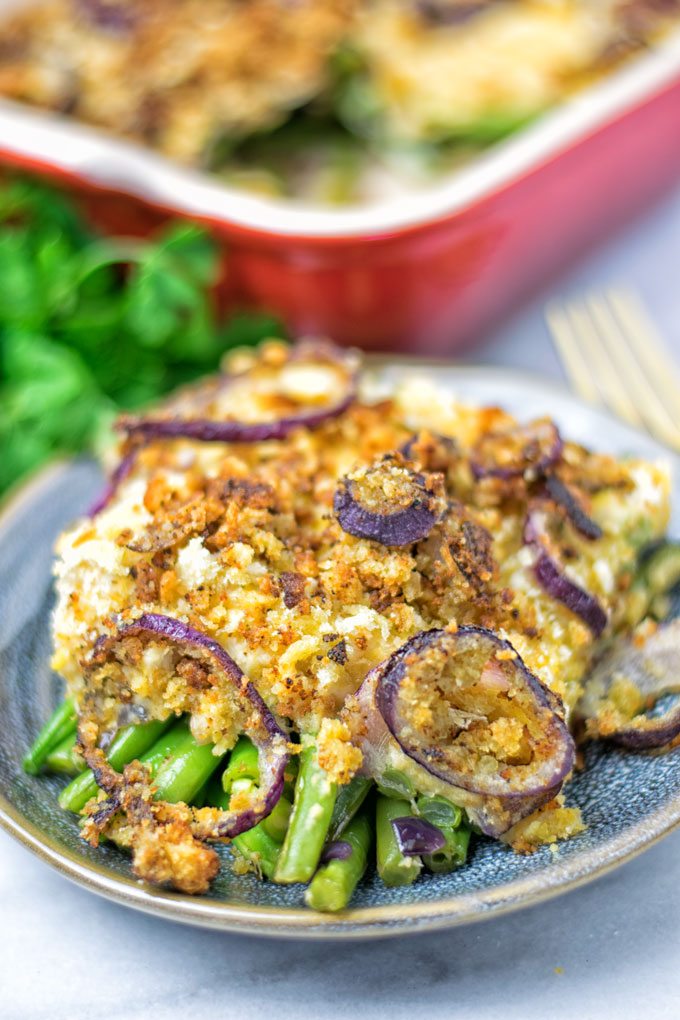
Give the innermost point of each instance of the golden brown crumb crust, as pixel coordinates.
(240, 541)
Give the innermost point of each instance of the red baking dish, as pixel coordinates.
(426, 272)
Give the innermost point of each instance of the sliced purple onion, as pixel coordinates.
(551, 576)
(208, 430)
(387, 503)
(466, 682)
(265, 732)
(338, 850)
(123, 471)
(417, 836)
(565, 498)
(451, 12)
(434, 451)
(525, 450)
(653, 669)
(117, 18)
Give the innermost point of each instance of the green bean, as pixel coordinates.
(394, 867)
(64, 759)
(657, 574)
(491, 126)
(393, 783)
(255, 844)
(185, 772)
(200, 799)
(332, 887)
(661, 567)
(260, 849)
(129, 743)
(61, 724)
(348, 801)
(242, 774)
(277, 821)
(290, 775)
(309, 821)
(243, 764)
(454, 854)
(440, 812)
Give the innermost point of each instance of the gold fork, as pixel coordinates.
(613, 356)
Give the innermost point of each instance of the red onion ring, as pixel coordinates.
(391, 525)
(267, 735)
(550, 574)
(654, 669)
(212, 431)
(494, 798)
(539, 446)
(433, 451)
(565, 498)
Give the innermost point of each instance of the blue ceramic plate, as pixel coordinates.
(628, 801)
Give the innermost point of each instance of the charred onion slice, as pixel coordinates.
(430, 451)
(525, 450)
(388, 503)
(196, 414)
(550, 573)
(627, 685)
(460, 715)
(565, 498)
(262, 727)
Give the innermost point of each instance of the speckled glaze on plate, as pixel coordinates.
(628, 801)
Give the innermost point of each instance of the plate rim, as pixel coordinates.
(357, 922)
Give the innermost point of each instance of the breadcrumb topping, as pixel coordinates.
(240, 541)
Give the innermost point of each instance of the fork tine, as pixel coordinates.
(570, 354)
(602, 365)
(645, 340)
(618, 333)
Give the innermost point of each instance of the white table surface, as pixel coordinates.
(608, 950)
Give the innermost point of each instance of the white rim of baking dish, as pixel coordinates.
(104, 161)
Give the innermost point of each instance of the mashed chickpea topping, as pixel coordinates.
(239, 540)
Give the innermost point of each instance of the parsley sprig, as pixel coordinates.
(92, 324)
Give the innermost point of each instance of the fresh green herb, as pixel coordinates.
(91, 324)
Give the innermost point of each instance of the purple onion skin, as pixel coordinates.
(123, 471)
(272, 760)
(656, 667)
(441, 12)
(117, 18)
(556, 584)
(210, 431)
(636, 739)
(206, 431)
(396, 669)
(417, 836)
(447, 442)
(550, 451)
(403, 527)
(563, 496)
(338, 850)
(490, 803)
(551, 576)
